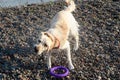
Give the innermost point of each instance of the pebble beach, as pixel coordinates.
(98, 56)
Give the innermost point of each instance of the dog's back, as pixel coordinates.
(64, 22)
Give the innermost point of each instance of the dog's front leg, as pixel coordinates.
(49, 60)
(67, 47)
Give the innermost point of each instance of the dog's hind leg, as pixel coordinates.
(67, 47)
(74, 33)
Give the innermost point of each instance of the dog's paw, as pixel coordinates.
(71, 67)
(48, 67)
(75, 48)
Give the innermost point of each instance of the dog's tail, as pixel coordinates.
(71, 5)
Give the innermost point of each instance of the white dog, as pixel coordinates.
(62, 25)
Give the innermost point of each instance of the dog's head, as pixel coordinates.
(44, 43)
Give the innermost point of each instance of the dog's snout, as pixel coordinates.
(35, 48)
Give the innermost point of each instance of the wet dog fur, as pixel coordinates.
(62, 25)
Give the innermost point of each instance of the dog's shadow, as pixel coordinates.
(23, 61)
(20, 60)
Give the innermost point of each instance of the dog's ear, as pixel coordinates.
(47, 34)
(48, 49)
(42, 33)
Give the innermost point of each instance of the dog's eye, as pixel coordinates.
(39, 41)
(45, 45)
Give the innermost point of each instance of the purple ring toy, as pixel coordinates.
(59, 75)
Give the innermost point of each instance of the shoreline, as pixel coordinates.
(14, 3)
